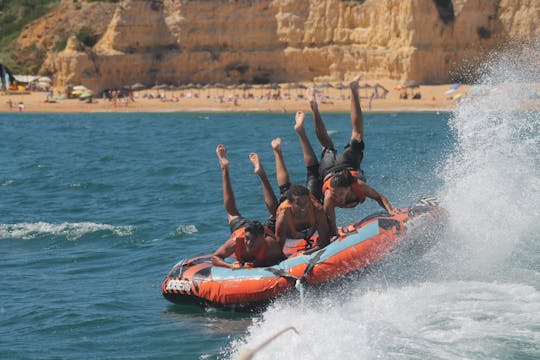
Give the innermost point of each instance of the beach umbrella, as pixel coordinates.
(137, 86)
(85, 95)
(45, 79)
(42, 86)
(411, 84)
(452, 89)
(78, 92)
(379, 86)
(365, 86)
(325, 85)
(245, 86)
(274, 86)
(80, 87)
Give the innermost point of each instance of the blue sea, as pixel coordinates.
(96, 208)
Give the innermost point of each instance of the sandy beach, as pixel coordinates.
(256, 99)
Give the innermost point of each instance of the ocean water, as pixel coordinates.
(96, 208)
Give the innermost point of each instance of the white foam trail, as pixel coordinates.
(8, 182)
(492, 179)
(186, 229)
(491, 191)
(450, 320)
(72, 231)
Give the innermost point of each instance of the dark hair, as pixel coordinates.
(342, 179)
(255, 227)
(296, 190)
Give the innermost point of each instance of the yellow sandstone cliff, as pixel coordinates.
(197, 41)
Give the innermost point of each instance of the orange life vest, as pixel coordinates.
(355, 188)
(312, 221)
(240, 251)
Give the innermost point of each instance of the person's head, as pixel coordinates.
(298, 196)
(341, 184)
(254, 235)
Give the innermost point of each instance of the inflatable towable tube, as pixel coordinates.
(362, 243)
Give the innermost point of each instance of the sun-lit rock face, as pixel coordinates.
(180, 41)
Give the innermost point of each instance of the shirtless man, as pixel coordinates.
(343, 182)
(253, 244)
(299, 214)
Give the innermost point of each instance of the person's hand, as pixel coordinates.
(236, 265)
(249, 265)
(394, 211)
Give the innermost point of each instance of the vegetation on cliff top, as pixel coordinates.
(14, 15)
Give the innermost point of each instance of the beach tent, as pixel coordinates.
(6, 77)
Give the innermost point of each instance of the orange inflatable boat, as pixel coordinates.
(358, 245)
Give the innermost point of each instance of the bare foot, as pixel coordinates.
(221, 152)
(299, 118)
(354, 83)
(254, 158)
(276, 145)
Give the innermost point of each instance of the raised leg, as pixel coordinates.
(357, 119)
(282, 174)
(269, 196)
(310, 159)
(320, 128)
(228, 195)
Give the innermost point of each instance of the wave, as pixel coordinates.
(478, 297)
(186, 229)
(492, 179)
(449, 320)
(72, 231)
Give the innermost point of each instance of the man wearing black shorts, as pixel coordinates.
(252, 243)
(333, 164)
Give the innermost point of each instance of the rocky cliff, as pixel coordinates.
(180, 41)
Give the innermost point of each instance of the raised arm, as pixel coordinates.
(380, 198)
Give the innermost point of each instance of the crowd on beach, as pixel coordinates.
(269, 97)
(301, 210)
(379, 95)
